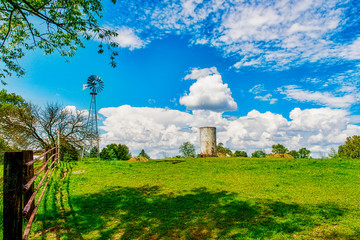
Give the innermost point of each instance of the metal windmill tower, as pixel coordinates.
(96, 85)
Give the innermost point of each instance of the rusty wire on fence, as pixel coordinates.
(27, 207)
(14, 189)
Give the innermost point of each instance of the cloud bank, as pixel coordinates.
(161, 130)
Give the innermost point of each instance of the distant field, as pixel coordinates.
(204, 199)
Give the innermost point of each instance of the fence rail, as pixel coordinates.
(19, 190)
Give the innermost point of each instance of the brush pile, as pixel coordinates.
(138, 159)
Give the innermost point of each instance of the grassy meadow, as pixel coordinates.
(230, 198)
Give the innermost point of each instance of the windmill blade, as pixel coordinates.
(95, 84)
(85, 86)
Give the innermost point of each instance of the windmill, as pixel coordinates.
(96, 85)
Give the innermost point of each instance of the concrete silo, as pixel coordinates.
(208, 142)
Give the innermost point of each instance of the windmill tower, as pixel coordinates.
(96, 85)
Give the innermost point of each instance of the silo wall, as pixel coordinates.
(208, 142)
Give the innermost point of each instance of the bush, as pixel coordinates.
(240, 154)
(294, 153)
(258, 154)
(115, 152)
(69, 153)
(94, 152)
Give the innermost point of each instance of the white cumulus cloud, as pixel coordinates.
(159, 130)
(208, 92)
(74, 111)
(127, 38)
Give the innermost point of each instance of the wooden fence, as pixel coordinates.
(19, 191)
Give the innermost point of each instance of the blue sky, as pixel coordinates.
(262, 72)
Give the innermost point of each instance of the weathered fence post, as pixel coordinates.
(52, 153)
(28, 172)
(13, 183)
(46, 158)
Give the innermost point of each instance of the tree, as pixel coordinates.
(294, 153)
(143, 154)
(258, 154)
(51, 26)
(94, 152)
(114, 152)
(123, 152)
(104, 154)
(69, 153)
(29, 126)
(341, 152)
(10, 105)
(221, 149)
(333, 153)
(304, 153)
(5, 147)
(279, 149)
(351, 148)
(240, 154)
(187, 149)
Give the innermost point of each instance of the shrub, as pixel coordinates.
(258, 154)
(240, 154)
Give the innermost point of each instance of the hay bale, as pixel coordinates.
(138, 159)
(288, 156)
(221, 155)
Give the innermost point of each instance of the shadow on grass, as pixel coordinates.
(146, 213)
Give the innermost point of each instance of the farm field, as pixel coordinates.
(203, 199)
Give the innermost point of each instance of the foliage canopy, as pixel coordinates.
(94, 152)
(238, 153)
(279, 149)
(294, 153)
(351, 148)
(115, 152)
(258, 154)
(30, 126)
(304, 153)
(224, 150)
(51, 26)
(187, 149)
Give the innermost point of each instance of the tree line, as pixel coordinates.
(350, 149)
(187, 149)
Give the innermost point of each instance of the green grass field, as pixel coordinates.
(203, 199)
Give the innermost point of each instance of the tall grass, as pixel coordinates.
(203, 199)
